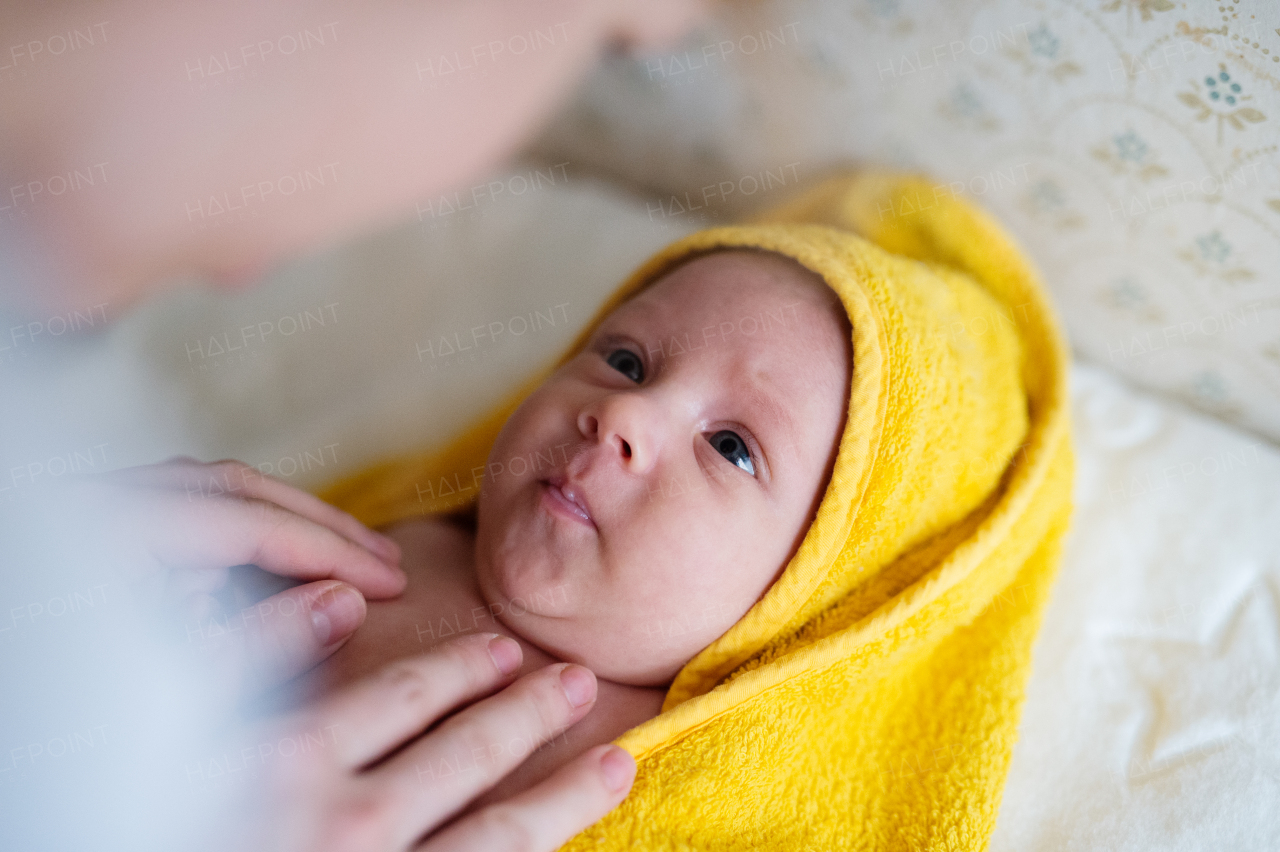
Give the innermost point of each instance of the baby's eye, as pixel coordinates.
(733, 448)
(627, 363)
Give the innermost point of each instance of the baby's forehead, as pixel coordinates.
(729, 281)
(753, 306)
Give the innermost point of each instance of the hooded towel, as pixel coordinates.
(870, 699)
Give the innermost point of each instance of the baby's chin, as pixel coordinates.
(557, 621)
(525, 592)
(541, 608)
(523, 562)
(513, 565)
(519, 594)
(537, 614)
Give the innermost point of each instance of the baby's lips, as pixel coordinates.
(573, 492)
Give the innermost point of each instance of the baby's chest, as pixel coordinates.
(439, 603)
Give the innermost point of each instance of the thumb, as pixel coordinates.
(284, 635)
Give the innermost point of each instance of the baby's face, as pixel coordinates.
(698, 429)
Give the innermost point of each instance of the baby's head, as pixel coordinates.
(698, 427)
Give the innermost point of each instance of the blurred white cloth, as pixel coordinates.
(1153, 712)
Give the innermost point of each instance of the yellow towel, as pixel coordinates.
(870, 699)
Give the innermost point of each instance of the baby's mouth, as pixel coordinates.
(563, 497)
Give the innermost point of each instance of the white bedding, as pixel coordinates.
(1152, 716)
(1153, 713)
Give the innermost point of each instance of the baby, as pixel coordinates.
(689, 466)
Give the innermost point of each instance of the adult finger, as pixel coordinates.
(309, 506)
(383, 711)
(214, 533)
(548, 814)
(282, 636)
(436, 776)
(218, 479)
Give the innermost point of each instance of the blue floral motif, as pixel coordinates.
(966, 101)
(1220, 96)
(1209, 386)
(1226, 92)
(1047, 195)
(1213, 247)
(1043, 42)
(1127, 293)
(1130, 146)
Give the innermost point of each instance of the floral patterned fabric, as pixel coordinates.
(1131, 145)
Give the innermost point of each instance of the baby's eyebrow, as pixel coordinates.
(642, 318)
(641, 312)
(759, 397)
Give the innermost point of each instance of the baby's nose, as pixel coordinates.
(591, 429)
(618, 423)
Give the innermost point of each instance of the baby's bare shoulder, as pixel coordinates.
(431, 538)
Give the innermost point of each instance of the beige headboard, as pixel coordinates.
(1130, 144)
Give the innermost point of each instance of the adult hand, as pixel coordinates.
(372, 782)
(181, 528)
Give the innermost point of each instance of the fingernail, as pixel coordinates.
(336, 613)
(506, 654)
(618, 768)
(579, 684)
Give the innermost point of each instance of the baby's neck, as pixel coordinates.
(441, 601)
(455, 603)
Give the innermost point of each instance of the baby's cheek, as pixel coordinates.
(683, 621)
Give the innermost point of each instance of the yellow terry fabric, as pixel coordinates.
(870, 699)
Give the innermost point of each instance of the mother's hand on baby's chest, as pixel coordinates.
(442, 601)
(377, 782)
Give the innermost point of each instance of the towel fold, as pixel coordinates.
(870, 699)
